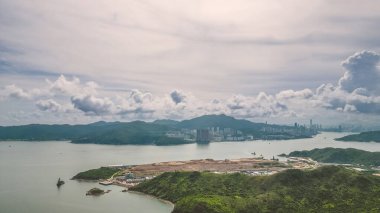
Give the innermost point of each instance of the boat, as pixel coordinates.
(60, 182)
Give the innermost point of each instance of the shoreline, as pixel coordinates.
(128, 190)
(152, 196)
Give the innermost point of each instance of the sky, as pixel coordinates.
(278, 61)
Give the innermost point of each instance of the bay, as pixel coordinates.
(29, 170)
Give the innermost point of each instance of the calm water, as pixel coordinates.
(29, 171)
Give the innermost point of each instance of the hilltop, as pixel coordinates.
(222, 121)
(326, 189)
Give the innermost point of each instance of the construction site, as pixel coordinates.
(132, 175)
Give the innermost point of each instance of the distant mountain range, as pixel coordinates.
(136, 132)
(221, 121)
(372, 136)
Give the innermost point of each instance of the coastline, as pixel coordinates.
(129, 191)
(152, 196)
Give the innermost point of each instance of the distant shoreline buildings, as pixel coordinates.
(269, 132)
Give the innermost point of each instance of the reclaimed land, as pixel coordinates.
(341, 156)
(325, 189)
(210, 165)
(131, 175)
(251, 166)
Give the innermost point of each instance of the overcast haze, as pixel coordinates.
(276, 61)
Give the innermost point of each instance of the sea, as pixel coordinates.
(29, 170)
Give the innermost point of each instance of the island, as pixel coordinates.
(341, 156)
(325, 189)
(96, 192)
(372, 136)
(203, 129)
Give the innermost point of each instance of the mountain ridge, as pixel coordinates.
(134, 132)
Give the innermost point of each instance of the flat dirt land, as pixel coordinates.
(223, 166)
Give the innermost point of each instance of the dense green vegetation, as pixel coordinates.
(342, 156)
(117, 133)
(373, 136)
(137, 132)
(97, 174)
(166, 122)
(326, 189)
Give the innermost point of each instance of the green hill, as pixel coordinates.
(96, 174)
(342, 156)
(326, 189)
(372, 136)
(166, 122)
(47, 132)
(222, 121)
(137, 132)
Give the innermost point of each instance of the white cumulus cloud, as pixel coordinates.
(49, 105)
(92, 105)
(361, 72)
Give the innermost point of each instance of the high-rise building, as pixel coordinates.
(203, 136)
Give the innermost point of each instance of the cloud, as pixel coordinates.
(341, 100)
(138, 104)
(361, 72)
(345, 97)
(290, 94)
(92, 105)
(49, 105)
(358, 89)
(263, 105)
(178, 97)
(140, 97)
(64, 86)
(14, 91)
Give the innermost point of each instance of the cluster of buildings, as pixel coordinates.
(127, 180)
(210, 134)
(289, 132)
(267, 132)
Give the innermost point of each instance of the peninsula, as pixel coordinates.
(341, 156)
(372, 136)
